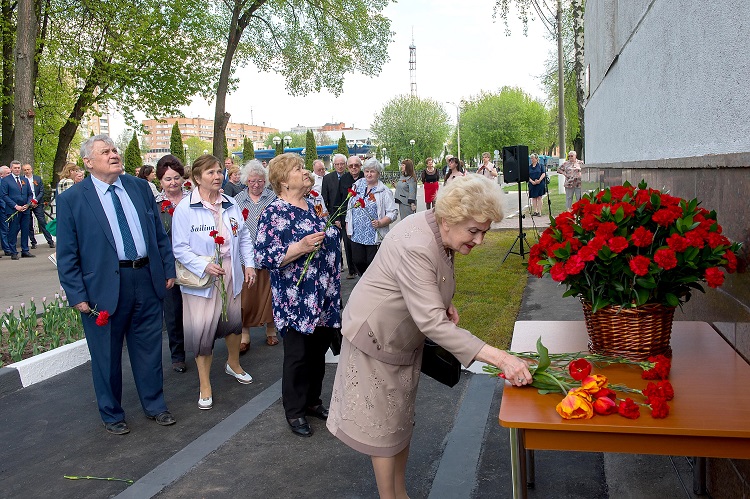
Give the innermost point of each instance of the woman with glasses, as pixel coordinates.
(256, 300)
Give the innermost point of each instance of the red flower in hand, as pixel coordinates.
(187, 185)
(579, 369)
(245, 213)
(352, 192)
(213, 233)
(629, 409)
(34, 202)
(360, 203)
(102, 318)
(219, 240)
(165, 205)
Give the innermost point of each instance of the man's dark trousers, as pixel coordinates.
(19, 223)
(38, 212)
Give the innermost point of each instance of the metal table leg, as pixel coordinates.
(699, 476)
(518, 463)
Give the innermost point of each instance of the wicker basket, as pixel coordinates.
(634, 333)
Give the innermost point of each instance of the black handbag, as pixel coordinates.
(439, 364)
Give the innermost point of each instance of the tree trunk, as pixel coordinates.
(6, 122)
(560, 84)
(221, 117)
(579, 67)
(28, 25)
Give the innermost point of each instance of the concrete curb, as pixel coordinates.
(48, 364)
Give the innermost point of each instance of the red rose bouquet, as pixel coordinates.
(628, 246)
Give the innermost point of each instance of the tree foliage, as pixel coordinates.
(298, 139)
(313, 44)
(492, 121)
(342, 148)
(196, 146)
(404, 118)
(175, 143)
(132, 158)
(248, 151)
(311, 150)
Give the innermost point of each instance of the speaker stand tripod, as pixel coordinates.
(521, 237)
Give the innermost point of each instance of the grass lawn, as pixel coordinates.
(558, 200)
(488, 293)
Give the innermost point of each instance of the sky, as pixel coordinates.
(461, 51)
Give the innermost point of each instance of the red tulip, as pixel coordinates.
(579, 369)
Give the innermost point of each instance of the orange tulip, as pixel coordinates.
(576, 405)
(594, 382)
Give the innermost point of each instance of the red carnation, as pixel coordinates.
(589, 222)
(659, 390)
(662, 366)
(352, 192)
(715, 240)
(696, 238)
(731, 259)
(587, 254)
(34, 202)
(627, 209)
(659, 408)
(665, 258)
(165, 205)
(213, 233)
(359, 203)
(629, 409)
(606, 230)
(714, 277)
(314, 194)
(102, 318)
(579, 369)
(665, 216)
(642, 237)
(575, 265)
(558, 272)
(171, 210)
(617, 244)
(245, 213)
(639, 265)
(534, 268)
(187, 185)
(219, 240)
(597, 243)
(677, 243)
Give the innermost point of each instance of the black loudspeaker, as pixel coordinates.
(515, 164)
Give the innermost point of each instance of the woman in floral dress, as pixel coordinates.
(306, 296)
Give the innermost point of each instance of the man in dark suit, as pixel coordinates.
(4, 172)
(113, 255)
(37, 191)
(354, 164)
(17, 197)
(332, 197)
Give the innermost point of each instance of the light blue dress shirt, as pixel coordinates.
(130, 213)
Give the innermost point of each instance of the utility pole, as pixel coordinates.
(560, 85)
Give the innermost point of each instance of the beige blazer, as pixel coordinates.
(403, 297)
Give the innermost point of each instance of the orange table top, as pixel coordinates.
(711, 384)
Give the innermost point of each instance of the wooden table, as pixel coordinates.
(709, 416)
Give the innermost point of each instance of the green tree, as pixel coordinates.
(279, 148)
(248, 151)
(175, 143)
(494, 120)
(298, 139)
(342, 148)
(132, 159)
(226, 150)
(313, 44)
(311, 150)
(196, 146)
(406, 118)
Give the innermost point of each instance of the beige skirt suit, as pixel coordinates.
(402, 298)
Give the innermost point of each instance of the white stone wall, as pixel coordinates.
(668, 79)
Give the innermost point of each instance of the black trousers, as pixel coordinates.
(363, 255)
(173, 321)
(304, 369)
(41, 218)
(348, 250)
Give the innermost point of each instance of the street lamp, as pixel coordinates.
(185, 148)
(412, 142)
(205, 151)
(287, 140)
(276, 140)
(458, 127)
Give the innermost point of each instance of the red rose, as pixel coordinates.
(639, 265)
(245, 213)
(219, 240)
(213, 233)
(579, 369)
(102, 318)
(629, 409)
(642, 237)
(617, 244)
(677, 243)
(659, 408)
(714, 277)
(665, 258)
(604, 406)
(558, 272)
(314, 194)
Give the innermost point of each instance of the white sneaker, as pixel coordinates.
(243, 378)
(205, 403)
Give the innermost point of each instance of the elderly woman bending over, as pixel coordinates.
(306, 293)
(370, 213)
(405, 296)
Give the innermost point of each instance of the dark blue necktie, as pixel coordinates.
(127, 237)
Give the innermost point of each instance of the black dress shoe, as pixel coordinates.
(26, 254)
(14, 256)
(318, 411)
(118, 428)
(51, 244)
(33, 246)
(8, 253)
(300, 427)
(164, 418)
(180, 367)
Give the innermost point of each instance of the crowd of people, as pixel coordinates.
(222, 248)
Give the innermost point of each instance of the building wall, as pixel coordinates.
(668, 100)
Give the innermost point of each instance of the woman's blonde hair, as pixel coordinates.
(68, 169)
(279, 168)
(473, 197)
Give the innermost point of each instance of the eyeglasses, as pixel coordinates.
(339, 164)
(256, 182)
(355, 165)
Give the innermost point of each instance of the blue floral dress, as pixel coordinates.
(362, 230)
(316, 301)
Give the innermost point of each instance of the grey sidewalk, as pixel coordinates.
(243, 447)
